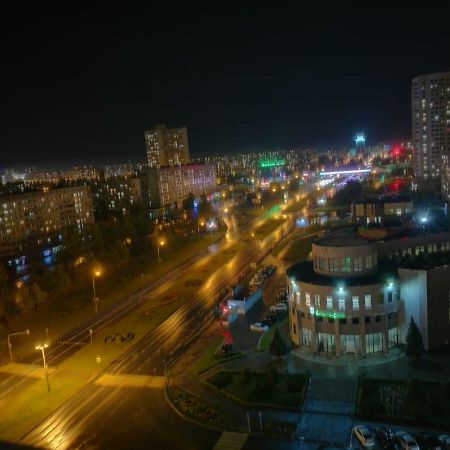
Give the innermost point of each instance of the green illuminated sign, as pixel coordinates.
(272, 162)
(326, 314)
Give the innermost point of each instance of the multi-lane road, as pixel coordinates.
(90, 415)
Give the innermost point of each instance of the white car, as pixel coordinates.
(259, 327)
(406, 441)
(278, 307)
(364, 436)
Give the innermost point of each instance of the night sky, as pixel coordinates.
(81, 83)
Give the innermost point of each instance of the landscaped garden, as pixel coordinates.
(263, 388)
(196, 408)
(405, 400)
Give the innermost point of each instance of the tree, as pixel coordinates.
(414, 341)
(37, 295)
(188, 202)
(5, 291)
(278, 346)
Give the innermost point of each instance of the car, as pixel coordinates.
(427, 441)
(364, 436)
(405, 441)
(278, 307)
(259, 327)
(386, 437)
(444, 439)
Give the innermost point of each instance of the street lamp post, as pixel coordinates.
(160, 244)
(96, 273)
(42, 349)
(27, 332)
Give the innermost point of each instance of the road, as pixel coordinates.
(90, 409)
(89, 416)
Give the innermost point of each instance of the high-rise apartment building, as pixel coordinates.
(42, 215)
(430, 100)
(166, 146)
(166, 186)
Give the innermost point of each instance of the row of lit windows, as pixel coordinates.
(345, 264)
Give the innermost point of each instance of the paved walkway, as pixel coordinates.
(327, 413)
(231, 441)
(26, 370)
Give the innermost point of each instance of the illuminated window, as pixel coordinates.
(342, 304)
(329, 302)
(317, 300)
(368, 261)
(355, 302)
(307, 299)
(358, 264)
(368, 301)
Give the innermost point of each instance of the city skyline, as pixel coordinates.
(258, 80)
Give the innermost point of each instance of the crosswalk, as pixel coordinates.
(131, 380)
(231, 441)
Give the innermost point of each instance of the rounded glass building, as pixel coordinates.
(342, 301)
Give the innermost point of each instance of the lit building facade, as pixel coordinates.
(350, 299)
(166, 186)
(42, 215)
(166, 146)
(430, 101)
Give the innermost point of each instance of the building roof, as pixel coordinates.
(304, 271)
(342, 238)
(385, 199)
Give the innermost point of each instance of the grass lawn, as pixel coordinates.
(62, 314)
(299, 249)
(267, 388)
(210, 358)
(414, 401)
(266, 338)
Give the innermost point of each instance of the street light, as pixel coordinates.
(42, 349)
(200, 224)
(160, 244)
(27, 332)
(95, 274)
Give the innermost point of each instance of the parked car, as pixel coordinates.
(386, 437)
(364, 436)
(427, 441)
(258, 327)
(278, 307)
(405, 441)
(444, 439)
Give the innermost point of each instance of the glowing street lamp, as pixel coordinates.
(200, 224)
(42, 349)
(95, 274)
(160, 244)
(27, 332)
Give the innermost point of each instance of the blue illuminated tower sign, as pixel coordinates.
(360, 141)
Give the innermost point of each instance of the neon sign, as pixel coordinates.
(272, 162)
(326, 314)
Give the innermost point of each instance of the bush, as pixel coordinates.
(272, 377)
(221, 379)
(413, 391)
(294, 383)
(246, 376)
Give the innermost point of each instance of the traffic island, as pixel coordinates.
(195, 409)
(262, 389)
